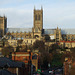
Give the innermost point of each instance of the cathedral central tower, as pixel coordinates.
(38, 20)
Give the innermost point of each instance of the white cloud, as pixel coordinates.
(59, 16)
(18, 18)
(3, 2)
(62, 15)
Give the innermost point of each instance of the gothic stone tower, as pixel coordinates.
(3, 26)
(38, 22)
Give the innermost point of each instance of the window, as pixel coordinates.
(68, 37)
(27, 41)
(72, 38)
(36, 29)
(31, 41)
(24, 59)
(39, 17)
(1, 21)
(35, 17)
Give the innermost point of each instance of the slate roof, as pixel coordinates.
(63, 31)
(19, 30)
(67, 31)
(6, 72)
(49, 31)
(46, 31)
(10, 63)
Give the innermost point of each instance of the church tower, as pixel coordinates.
(3, 26)
(38, 21)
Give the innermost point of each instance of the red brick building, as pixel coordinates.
(28, 58)
(25, 57)
(22, 56)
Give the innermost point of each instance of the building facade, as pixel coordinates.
(65, 37)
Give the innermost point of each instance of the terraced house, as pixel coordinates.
(64, 37)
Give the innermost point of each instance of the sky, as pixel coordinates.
(19, 13)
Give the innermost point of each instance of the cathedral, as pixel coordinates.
(64, 37)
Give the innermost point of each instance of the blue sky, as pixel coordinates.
(19, 13)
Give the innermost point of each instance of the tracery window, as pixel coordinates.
(39, 17)
(35, 17)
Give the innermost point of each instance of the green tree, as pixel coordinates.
(56, 61)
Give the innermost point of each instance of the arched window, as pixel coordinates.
(39, 17)
(72, 37)
(27, 41)
(35, 17)
(68, 37)
(31, 41)
(36, 36)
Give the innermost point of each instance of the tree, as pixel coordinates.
(56, 61)
(46, 58)
(40, 45)
(72, 53)
(20, 41)
(47, 38)
(22, 48)
(53, 48)
(7, 50)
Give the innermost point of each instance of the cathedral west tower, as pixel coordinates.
(3, 26)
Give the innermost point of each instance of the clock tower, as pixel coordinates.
(38, 21)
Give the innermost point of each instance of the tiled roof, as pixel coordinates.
(48, 31)
(19, 30)
(8, 62)
(67, 31)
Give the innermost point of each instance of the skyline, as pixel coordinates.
(19, 13)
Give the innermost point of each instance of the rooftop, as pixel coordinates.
(18, 30)
(10, 63)
(46, 31)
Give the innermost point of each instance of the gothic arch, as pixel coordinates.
(36, 36)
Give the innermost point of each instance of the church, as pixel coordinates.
(64, 37)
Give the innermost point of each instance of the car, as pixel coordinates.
(51, 72)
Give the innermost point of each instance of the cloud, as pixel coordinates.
(17, 17)
(3, 2)
(62, 16)
(54, 14)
